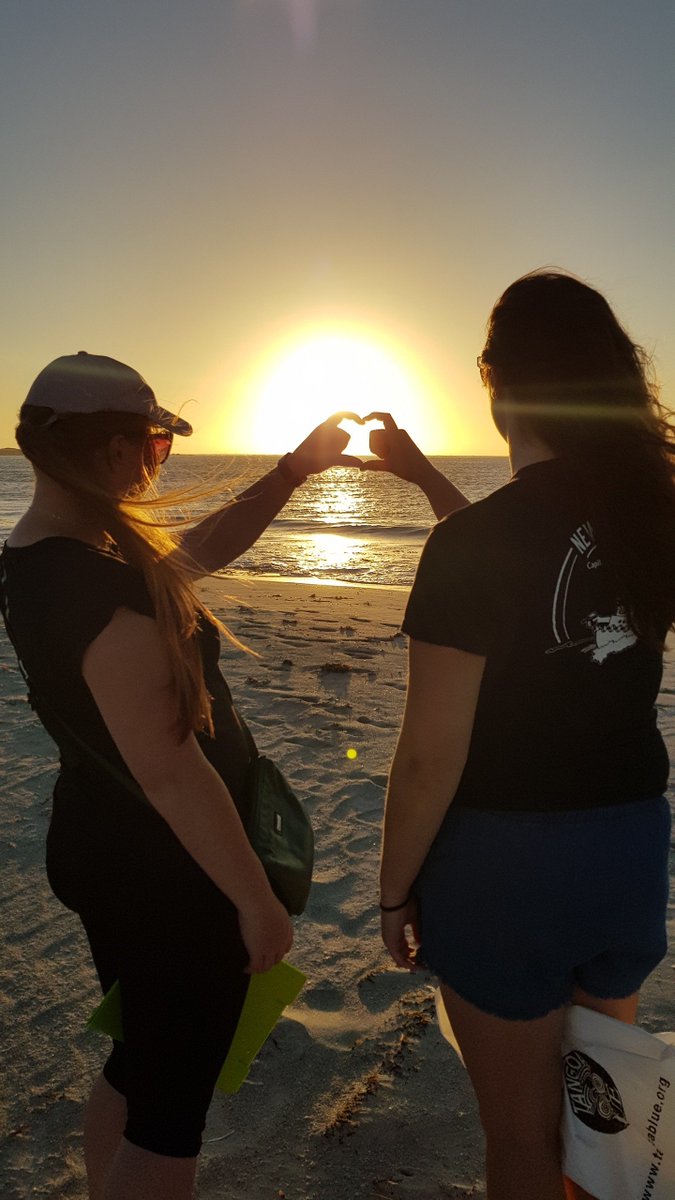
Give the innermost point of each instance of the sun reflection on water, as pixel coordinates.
(340, 503)
(330, 551)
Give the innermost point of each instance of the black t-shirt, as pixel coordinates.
(566, 712)
(59, 594)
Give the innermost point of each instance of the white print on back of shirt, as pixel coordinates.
(609, 633)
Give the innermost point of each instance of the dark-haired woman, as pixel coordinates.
(122, 660)
(526, 835)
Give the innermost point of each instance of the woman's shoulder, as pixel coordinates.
(68, 575)
(50, 555)
(489, 518)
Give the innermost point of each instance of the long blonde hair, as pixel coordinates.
(64, 450)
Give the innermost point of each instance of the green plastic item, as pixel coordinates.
(265, 1001)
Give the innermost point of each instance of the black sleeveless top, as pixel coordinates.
(57, 595)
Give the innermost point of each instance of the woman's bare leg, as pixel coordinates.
(515, 1068)
(118, 1170)
(138, 1174)
(104, 1121)
(621, 1010)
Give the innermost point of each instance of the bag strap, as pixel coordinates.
(253, 750)
(126, 781)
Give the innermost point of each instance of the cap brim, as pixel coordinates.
(171, 422)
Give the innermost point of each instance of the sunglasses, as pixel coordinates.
(483, 367)
(160, 444)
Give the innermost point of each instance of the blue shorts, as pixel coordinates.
(519, 908)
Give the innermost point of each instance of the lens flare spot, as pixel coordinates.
(352, 753)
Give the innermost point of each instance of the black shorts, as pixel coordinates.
(160, 926)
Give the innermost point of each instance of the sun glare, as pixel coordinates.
(303, 383)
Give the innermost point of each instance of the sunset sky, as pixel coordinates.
(280, 207)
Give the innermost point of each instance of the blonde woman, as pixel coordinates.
(122, 662)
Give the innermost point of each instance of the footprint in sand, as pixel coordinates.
(378, 724)
(379, 780)
(324, 997)
(363, 842)
(354, 926)
(290, 1040)
(333, 885)
(378, 990)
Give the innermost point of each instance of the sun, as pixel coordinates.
(304, 381)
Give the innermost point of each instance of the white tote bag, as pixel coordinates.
(618, 1122)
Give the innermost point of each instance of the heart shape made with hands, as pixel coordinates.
(379, 440)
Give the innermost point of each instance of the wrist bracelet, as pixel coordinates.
(288, 476)
(395, 907)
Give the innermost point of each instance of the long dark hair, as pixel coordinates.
(557, 358)
(64, 450)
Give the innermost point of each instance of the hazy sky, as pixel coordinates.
(197, 186)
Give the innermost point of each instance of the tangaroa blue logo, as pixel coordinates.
(593, 1094)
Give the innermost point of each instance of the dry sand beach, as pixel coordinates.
(355, 1096)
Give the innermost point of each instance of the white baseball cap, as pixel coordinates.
(93, 383)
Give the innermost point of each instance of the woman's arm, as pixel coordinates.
(443, 687)
(127, 672)
(229, 532)
(399, 454)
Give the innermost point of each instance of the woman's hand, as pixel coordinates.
(398, 453)
(267, 933)
(323, 448)
(401, 936)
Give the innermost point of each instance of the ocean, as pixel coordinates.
(360, 527)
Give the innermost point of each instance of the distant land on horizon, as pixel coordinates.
(9, 450)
